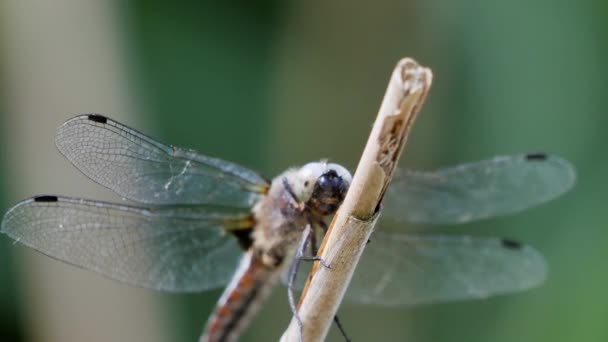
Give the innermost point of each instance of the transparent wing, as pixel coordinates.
(146, 171)
(495, 187)
(402, 269)
(179, 249)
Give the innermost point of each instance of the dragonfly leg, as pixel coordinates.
(314, 248)
(323, 226)
(300, 205)
(316, 258)
(341, 328)
(313, 244)
(293, 272)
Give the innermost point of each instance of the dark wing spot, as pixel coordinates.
(45, 198)
(243, 237)
(511, 244)
(536, 156)
(98, 118)
(306, 183)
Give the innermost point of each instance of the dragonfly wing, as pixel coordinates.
(403, 269)
(500, 186)
(141, 169)
(171, 249)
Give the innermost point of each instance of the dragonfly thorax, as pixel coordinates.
(297, 197)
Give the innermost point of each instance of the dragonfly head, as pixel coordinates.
(322, 186)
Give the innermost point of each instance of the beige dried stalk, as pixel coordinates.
(354, 222)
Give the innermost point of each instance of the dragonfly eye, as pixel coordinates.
(328, 193)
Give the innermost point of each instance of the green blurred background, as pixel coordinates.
(271, 84)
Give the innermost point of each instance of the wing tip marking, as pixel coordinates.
(97, 118)
(536, 156)
(511, 244)
(46, 198)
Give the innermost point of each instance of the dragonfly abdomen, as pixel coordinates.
(250, 285)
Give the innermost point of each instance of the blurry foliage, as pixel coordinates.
(203, 71)
(10, 326)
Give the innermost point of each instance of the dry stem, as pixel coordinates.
(354, 222)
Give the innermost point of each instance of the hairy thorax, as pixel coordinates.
(298, 197)
(280, 221)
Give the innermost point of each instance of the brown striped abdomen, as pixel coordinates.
(249, 286)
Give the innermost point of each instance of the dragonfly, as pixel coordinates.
(193, 223)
